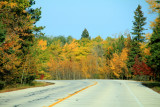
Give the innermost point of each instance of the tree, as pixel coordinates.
(2, 33)
(142, 69)
(118, 45)
(154, 44)
(62, 39)
(69, 39)
(118, 64)
(138, 25)
(154, 5)
(133, 52)
(85, 34)
(135, 42)
(17, 62)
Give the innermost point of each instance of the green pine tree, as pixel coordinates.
(138, 32)
(2, 33)
(85, 34)
(138, 25)
(154, 44)
(69, 39)
(134, 51)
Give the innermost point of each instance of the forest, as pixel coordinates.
(27, 54)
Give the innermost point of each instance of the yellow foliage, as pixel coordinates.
(157, 20)
(118, 63)
(12, 5)
(42, 44)
(148, 36)
(145, 49)
(152, 24)
(153, 5)
(98, 39)
(3, 2)
(24, 11)
(124, 54)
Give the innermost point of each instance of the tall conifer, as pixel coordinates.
(154, 45)
(138, 24)
(138, 29)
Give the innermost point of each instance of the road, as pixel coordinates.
(83, 93)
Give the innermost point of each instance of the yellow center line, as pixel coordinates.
(71, 95)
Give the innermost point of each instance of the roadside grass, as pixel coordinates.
(24, 86)
(153, 85)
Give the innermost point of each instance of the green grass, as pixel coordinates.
(153, 85)
(24, 86)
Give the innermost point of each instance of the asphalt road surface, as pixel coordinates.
(83, 93)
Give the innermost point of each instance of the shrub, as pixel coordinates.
(2, 83)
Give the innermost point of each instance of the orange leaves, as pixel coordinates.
(12, 5)
(52, 64)
(3, 2)
(42, 44)
(7, 45)
(11, 62)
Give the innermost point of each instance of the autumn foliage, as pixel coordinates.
(141, 68)
(17, 61)
(95, 58)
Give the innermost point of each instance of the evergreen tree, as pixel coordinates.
(2, 33)
(138, 25)
(119, 44)
(69, 39)
(138, 32)
(154, 45)
(134, 51)
(28, 39)
(85, 34)
(18, 20)
(60, 38)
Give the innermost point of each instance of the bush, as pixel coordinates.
(141, 77)
(30, 79)
(2, 83)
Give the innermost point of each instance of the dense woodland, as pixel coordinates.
(27, 54)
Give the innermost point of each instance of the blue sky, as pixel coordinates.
(99, 17)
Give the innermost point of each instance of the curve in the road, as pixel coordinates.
(60, 100)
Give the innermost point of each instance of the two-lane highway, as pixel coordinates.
(83, 93)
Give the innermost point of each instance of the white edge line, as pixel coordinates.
(139, 103)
